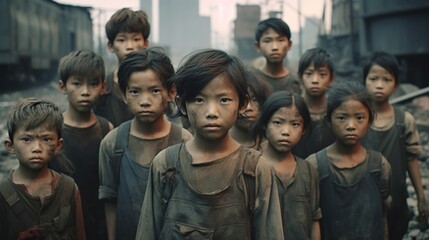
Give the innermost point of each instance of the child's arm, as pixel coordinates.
(315, 230)
(414, 172)
(152, 213)
(79, 223)
(267, 219)
(110, 211)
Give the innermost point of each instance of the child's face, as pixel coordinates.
(350, 121)
(316, 81)
(82, 94)
(273, 46)
(125, 43)
(380, 84)
(146, 97)
(284, 129)
(34, 148)
(214, 110)
(249, 113)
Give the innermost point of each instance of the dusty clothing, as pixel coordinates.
(346, 194)
(111, 104)
(286, 83)
(320, 137)
(299, 199)
(398, 142)
(210, 200)
(81, 146)
(58, 216)
(127, 185)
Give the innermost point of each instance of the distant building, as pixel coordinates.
(181, 28)
(147, 7)
(248, 17)
(310, 33)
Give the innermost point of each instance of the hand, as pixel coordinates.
(423, 213)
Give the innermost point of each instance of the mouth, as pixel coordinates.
(145, 113)
(212, 127)
(351, 136)
(36, 160)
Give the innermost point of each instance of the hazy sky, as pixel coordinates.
(222, 13)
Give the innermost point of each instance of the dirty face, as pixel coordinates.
(214, 109)
(284, 129)
(34, 148)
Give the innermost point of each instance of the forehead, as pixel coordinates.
(221, 84)
(129, 34)
(377, 69)
(90, 77)
(271, 33)
(286, 112)
(144, 78)
(351, 106)
(45, 129)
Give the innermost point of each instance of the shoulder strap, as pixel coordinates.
(306, 175)
(121, 143)
(400, 123)
(175, 135)
(104, 125)
(374, 165)
(15, 202)
(249, 172)
(172, 155)
(322, 164)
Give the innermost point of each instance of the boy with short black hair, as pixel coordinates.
(127, 151)
(273, 41)
(35, 201)
(126, 31)
(316, 73)
(82, 75)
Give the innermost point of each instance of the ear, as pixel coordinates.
(103, 86)
(171, 94)
(179, 105)
(59, 146)
(62, 86)
(110, 47)
(257, 46)
(146, 43)
(8, 145)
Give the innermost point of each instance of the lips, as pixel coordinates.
(212, 127)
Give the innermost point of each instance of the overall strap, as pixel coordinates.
(374, 165)
(175, 135)
(400, 124)
(322, 164)
(18, 206)
(172, 156)
(121, 142)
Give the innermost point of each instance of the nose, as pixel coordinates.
(85, 90)
(351, 125)
(315, 78)
(285, 130)
(212, 110)
(36, 147)
(130, 44)
(379, 84)
(145, 100)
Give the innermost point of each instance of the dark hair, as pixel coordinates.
(276, 24)
(127, 21)
(82, 64)
(344, 90)
(150, 58)
(384, 60)
(203, 66)
(273, 103)
(260, 89)
(30, 113)
(318, 57)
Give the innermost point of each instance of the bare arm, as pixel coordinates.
(110, 211)
(386, 229)
(315, 230)
(414, 173)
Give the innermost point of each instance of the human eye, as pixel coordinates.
(48, 139)
(361, 118)
(308, 73)
(296, 124)
(340, 117)
(225, 100)
(276, 122)
(25, 139)
(133, 92)
(198, 100)
(75, 83)
(156, 91)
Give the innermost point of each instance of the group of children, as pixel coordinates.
(267, 156)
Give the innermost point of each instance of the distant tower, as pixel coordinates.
(147, 7)
(181, 28)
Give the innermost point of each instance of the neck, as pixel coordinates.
(277, 157)
(156, 129)
(275, 69)
(23, 175)
(316, 104)
(79, 119)
(344, 149)
(381, 107)
(243, 136)
(205, 150)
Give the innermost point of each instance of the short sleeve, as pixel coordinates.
(412, 139)
(107, 167)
